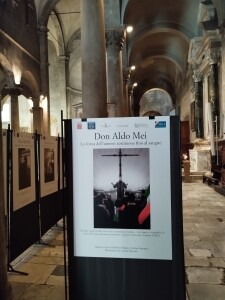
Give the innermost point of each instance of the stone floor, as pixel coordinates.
(204, 243)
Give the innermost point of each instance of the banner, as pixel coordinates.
(48, 165)
(23, 170)
(122, 188)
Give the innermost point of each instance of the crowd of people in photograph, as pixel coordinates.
(130, 210)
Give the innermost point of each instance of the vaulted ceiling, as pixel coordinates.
(160, 41)
(159, 44)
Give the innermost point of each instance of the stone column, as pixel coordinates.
(14, 91)
(114, 41)
(214, 88)
(44, 70)
(37, 116)
(93, 51)
(15, 121)
(126, 108)
(222, 86)
(198, 104)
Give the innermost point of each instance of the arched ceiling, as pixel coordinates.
(159, 44)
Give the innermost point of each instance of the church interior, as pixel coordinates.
(64, 59)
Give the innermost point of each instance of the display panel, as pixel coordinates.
(48, 165)
(23, 170)
(121, 188)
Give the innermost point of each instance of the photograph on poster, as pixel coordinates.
(121, 188)
(23, 170)
(24, 167)
(49, 164)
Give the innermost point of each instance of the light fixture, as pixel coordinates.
(129, 29)
(30, 102)
(17, 74)
(135, 84)
(132, 68)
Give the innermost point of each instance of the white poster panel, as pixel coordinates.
(48, 165)
(23, 170)
(121, 184)
(4, 150)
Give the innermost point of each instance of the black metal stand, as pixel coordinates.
(64, 207)
(58, 226)
(11, 269)
(38, 191)
(42, 243)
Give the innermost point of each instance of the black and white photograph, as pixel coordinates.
(24, 168)
(121, 188)
(49, 159)
(48, 165)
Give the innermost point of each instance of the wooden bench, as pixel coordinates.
(210, 180)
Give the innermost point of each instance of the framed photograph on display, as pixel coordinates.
(23, 170)
(48, 165)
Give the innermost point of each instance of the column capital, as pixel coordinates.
(115, 37)
(213, 56)
(43, 29)
(13, 89)
(197, 76)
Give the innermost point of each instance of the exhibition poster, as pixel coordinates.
(121, 188)
(23, 169)
(49, 165)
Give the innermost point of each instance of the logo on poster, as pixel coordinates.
(160, 124)
(79, 125)
(91, 125)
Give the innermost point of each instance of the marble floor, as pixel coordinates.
(204, 246)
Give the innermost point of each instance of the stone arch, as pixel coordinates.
(156, 102)
(7, 70)
(44, 9)
(30, 85)
(55, 34)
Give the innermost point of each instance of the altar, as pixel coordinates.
(199, 160)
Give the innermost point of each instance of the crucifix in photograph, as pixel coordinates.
(120, 185)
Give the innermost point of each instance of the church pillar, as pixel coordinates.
(94, 92)
(214, 89)
(15, 122)
(114, 42)
(222, 86)
(44, 70)
(198, 105)
(37, 116)
(14, 91)
(126, 76)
